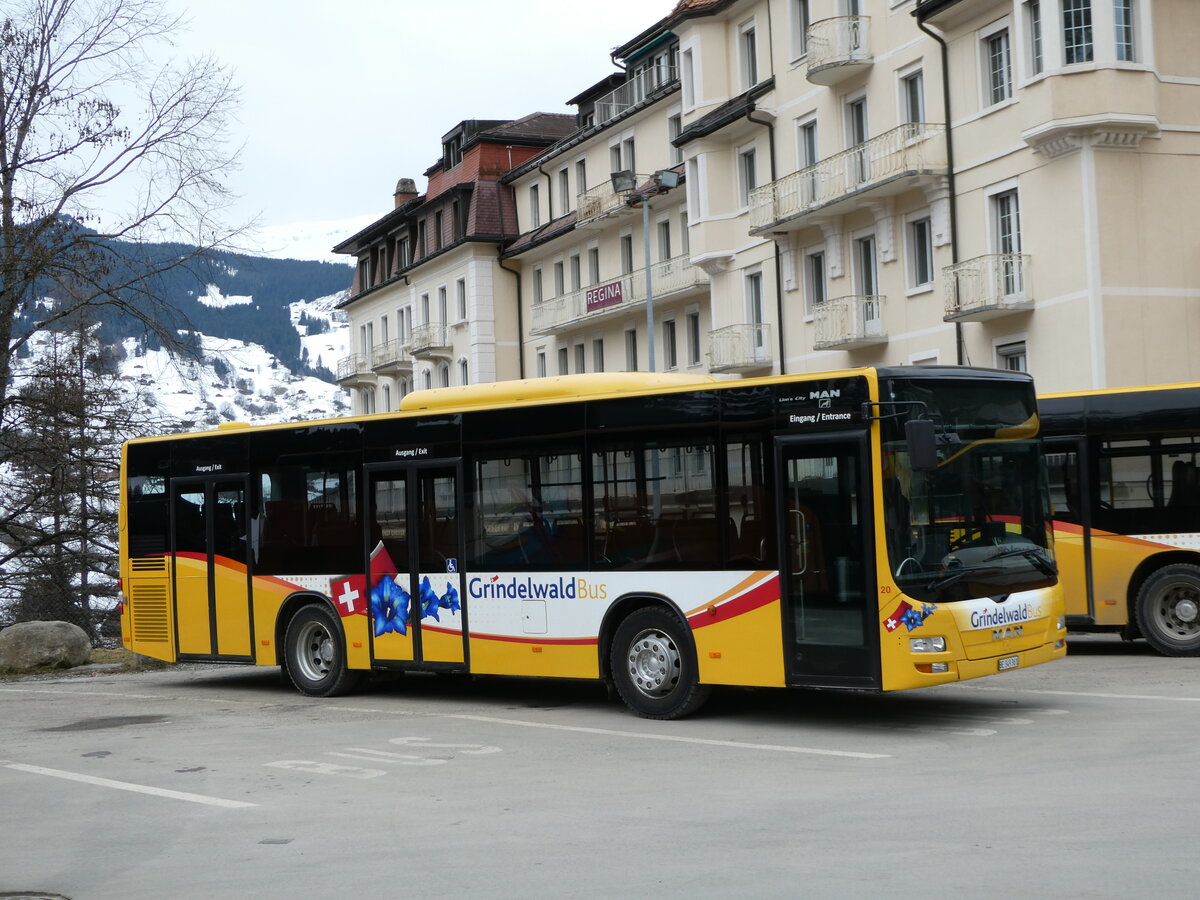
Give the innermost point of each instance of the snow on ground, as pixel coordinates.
(308, 240)
(214, 298)
(235, 382)
(327, 347)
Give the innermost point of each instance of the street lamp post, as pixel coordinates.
(625, 182)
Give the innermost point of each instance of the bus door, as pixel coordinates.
(1067, 468)
(827, 559)
(415, 545)
(211, 578)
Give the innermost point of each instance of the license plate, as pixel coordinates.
(1009, 662)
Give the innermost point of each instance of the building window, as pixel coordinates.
(457, 224)
(437, 230)
(674, 129)
(564, 366)
(460, 288)
(997, 67)
(539, 290)
(920, 253)
(580, 358)
(664, 239)
(593, 265)
(576, 272)
(687, 77)
(425, 319)
(560, 279)
(564, 189)
(631, 351)
(598, 355)
(1077, 31)
(1033, 25)
(626, 254)
(452, 151)
(628, 155)
(755, 311)
(801, 19)
(856, 137)
(864, 259)
(747, 176)
(535, 210)
(692, 320)
(443, 306)
(581, 184)
(1123, 25)
(670, 351)
(387, 398)
(1012, 357)
(814, 281)
(541, 363)
(748, 43)
(912, 92)
(1006, 223)
(427, 378)
(463, 372)
(685, 245)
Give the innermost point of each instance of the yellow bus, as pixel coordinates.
(877, 529)
(1126, 493)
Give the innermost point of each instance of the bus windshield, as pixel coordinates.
(978, 524)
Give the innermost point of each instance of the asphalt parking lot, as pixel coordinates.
(1074, 779)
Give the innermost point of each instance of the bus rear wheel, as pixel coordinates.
(654, 666)
(316, 654)
(1168, 610)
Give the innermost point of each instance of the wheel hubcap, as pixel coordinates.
(1178, 611)
(654, 663)
(318, 652)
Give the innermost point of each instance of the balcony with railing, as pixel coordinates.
(849, 323)
(996, 284)
(598, 206)
(430, 339)
(740, 348)
(838, 48)
(896, 161)
(392, 358)
(355, 370)
(644, 85)
(670, 278)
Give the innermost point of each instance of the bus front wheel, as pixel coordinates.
(654, 667)
(316, 654)
(1168, 610)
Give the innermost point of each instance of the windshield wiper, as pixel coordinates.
(1043, 565)
(960, 574)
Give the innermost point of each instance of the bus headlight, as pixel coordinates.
(1062, 623)
(927, 645)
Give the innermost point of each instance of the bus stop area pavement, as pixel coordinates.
(1073, 779)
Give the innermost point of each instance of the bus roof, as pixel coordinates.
(548, 390)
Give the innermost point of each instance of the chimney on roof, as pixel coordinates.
(406, 189)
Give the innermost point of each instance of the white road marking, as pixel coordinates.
(734, 745)
(127, 786)
(1099, 694)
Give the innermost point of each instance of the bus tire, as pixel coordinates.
(654, 666)
(1168, 610)
(315, 654)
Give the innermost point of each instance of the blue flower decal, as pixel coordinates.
(914, 619)
(389, 607)
(449, 600)
(429, 600)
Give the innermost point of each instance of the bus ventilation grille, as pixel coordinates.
(149, 564)
(148, 604)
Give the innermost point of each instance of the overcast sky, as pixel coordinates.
(341, 99)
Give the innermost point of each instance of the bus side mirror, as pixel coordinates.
(922, 444)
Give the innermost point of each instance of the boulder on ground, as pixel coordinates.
(29, 645)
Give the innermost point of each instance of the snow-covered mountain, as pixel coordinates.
(241, 381)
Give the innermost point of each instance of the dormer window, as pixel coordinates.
(452, 152)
